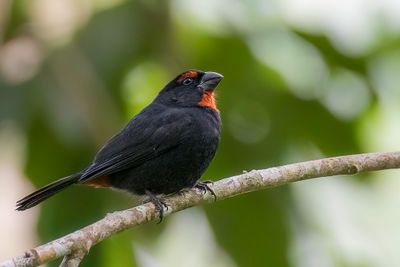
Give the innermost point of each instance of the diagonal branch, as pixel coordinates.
(74, 246)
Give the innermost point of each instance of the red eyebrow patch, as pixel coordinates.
(188, 74)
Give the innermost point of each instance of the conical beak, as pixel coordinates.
(210, 80)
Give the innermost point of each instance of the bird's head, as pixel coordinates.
(191, 88)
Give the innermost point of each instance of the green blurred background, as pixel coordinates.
(304, 79)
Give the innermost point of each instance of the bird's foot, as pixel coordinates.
(158, 203)
(204, 187)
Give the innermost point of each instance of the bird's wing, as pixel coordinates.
(123, 152)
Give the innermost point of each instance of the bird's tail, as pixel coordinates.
(45, 192)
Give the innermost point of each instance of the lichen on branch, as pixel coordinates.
(73, 247)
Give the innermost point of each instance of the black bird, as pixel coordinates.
(162, 150)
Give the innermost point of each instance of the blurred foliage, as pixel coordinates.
(87, 84)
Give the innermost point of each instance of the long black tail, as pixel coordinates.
(45, 192)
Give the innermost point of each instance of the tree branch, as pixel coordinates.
(73, 247)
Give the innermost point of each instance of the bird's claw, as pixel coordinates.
(204, 187)
(158, 204)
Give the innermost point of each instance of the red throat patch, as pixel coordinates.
(208, 100)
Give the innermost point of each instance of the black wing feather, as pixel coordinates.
(129, 154)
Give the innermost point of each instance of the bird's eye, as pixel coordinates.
(187, 81)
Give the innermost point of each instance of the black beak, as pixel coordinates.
(210, 80)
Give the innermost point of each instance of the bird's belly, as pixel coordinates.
(170, 172)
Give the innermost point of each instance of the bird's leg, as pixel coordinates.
(204, 187)
(158, 203)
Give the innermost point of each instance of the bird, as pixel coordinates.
(162, 150)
